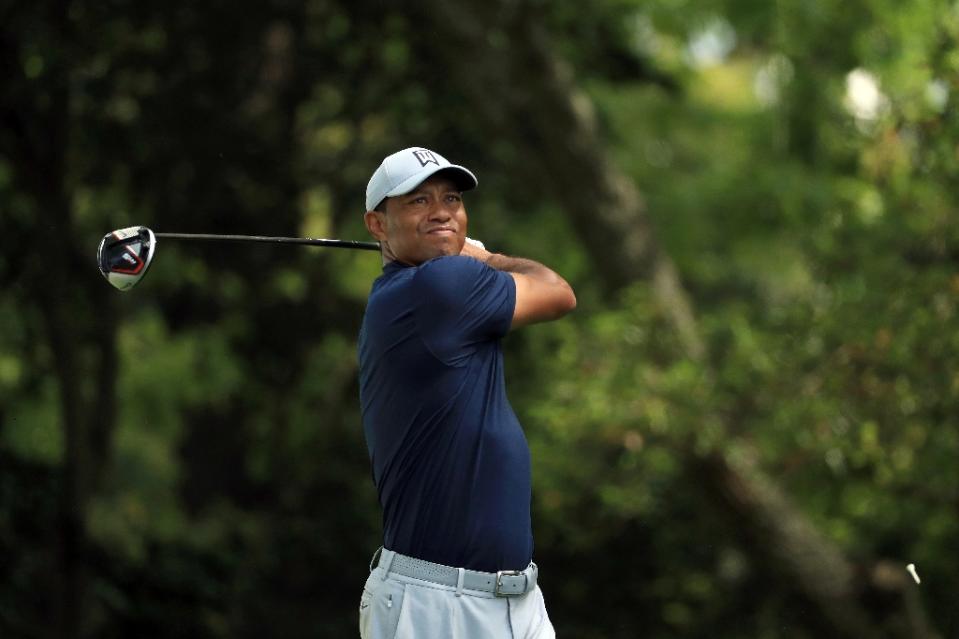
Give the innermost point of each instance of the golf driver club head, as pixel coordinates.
(124, 256)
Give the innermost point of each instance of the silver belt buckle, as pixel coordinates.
(509, 573)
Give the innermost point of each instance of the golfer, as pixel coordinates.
(450, 461)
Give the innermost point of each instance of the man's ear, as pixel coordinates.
(375, 224)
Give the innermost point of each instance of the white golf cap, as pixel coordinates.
(405, 170)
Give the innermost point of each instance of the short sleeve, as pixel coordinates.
(460, 303)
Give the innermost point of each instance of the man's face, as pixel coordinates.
(428, 222)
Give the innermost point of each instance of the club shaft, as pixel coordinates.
(208, 237)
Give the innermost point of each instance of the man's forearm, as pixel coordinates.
(521, 265)
(509, 264)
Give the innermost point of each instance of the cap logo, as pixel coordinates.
(426, 157)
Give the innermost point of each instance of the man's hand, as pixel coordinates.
(475, 248)
(541, 294)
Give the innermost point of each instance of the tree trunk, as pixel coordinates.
(78, 315)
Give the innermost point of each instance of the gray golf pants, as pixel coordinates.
(394, 606)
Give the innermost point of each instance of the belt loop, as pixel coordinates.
(375, 558)
(387, 556)
(460, 576)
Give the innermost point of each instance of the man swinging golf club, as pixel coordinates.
(450, 461)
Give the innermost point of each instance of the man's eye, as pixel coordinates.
(454, 197)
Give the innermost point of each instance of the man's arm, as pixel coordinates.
(541, 294)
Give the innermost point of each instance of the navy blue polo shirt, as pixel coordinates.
(450, 461)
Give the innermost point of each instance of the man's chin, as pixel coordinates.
(450, 245)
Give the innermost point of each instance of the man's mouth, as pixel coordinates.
(442, 230)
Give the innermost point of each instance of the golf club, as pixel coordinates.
(125, 255)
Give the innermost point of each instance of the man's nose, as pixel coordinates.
(438, 211)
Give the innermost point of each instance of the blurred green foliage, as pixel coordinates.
(799, 164)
